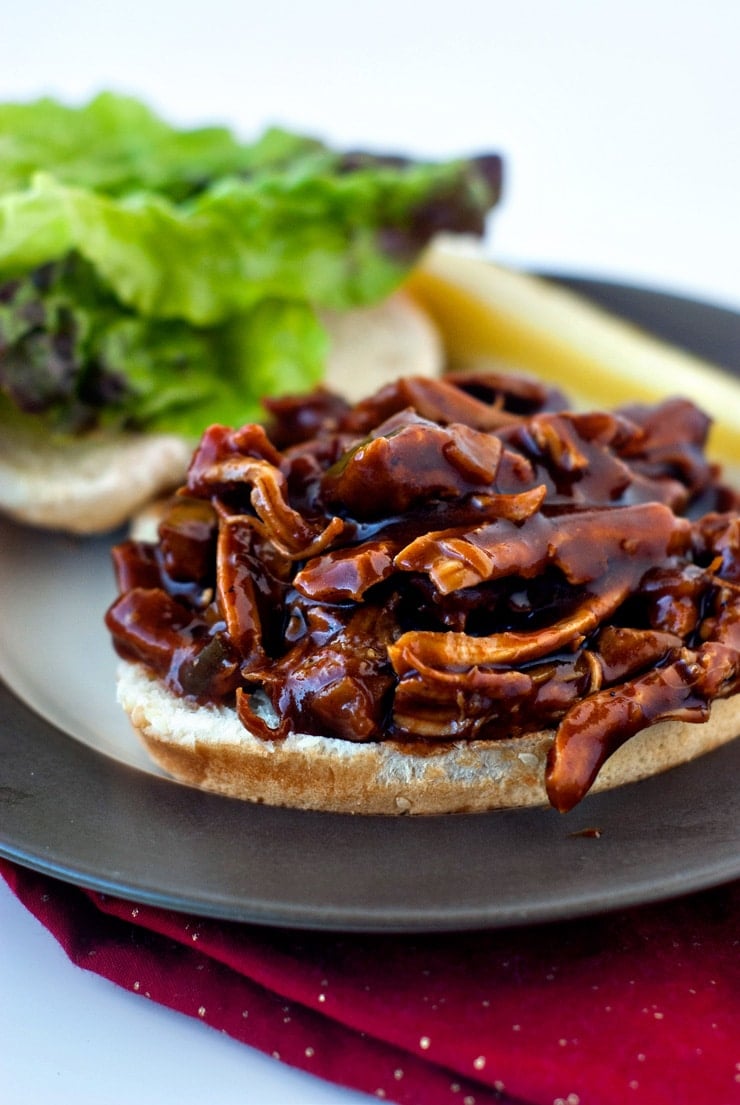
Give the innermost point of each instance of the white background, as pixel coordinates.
(619, 123)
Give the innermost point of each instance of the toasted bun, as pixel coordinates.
(96, 484)
(208, 747)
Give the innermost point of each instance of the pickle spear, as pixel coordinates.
(488, 312)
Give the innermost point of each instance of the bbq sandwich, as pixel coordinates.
(454, 595)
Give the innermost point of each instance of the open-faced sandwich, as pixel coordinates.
(454, 595)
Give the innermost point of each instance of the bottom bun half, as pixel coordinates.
(208, 747)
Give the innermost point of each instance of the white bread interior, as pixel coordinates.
(95, 484)
(87, 486)
(371, 346)
(208, 747)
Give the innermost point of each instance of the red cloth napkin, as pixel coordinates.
(641, 1007)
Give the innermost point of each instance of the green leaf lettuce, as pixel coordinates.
(166, 279)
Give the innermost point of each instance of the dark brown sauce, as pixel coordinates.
(448, 560)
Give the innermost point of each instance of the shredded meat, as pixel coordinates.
(450, 559)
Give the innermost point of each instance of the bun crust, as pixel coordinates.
(208, 747)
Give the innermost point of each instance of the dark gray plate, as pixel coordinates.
(71, 811)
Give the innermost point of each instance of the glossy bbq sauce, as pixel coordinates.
(457, 559)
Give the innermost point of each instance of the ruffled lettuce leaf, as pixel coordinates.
(73, 357)
(334, 242)
(164, 279)
(115, 144)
